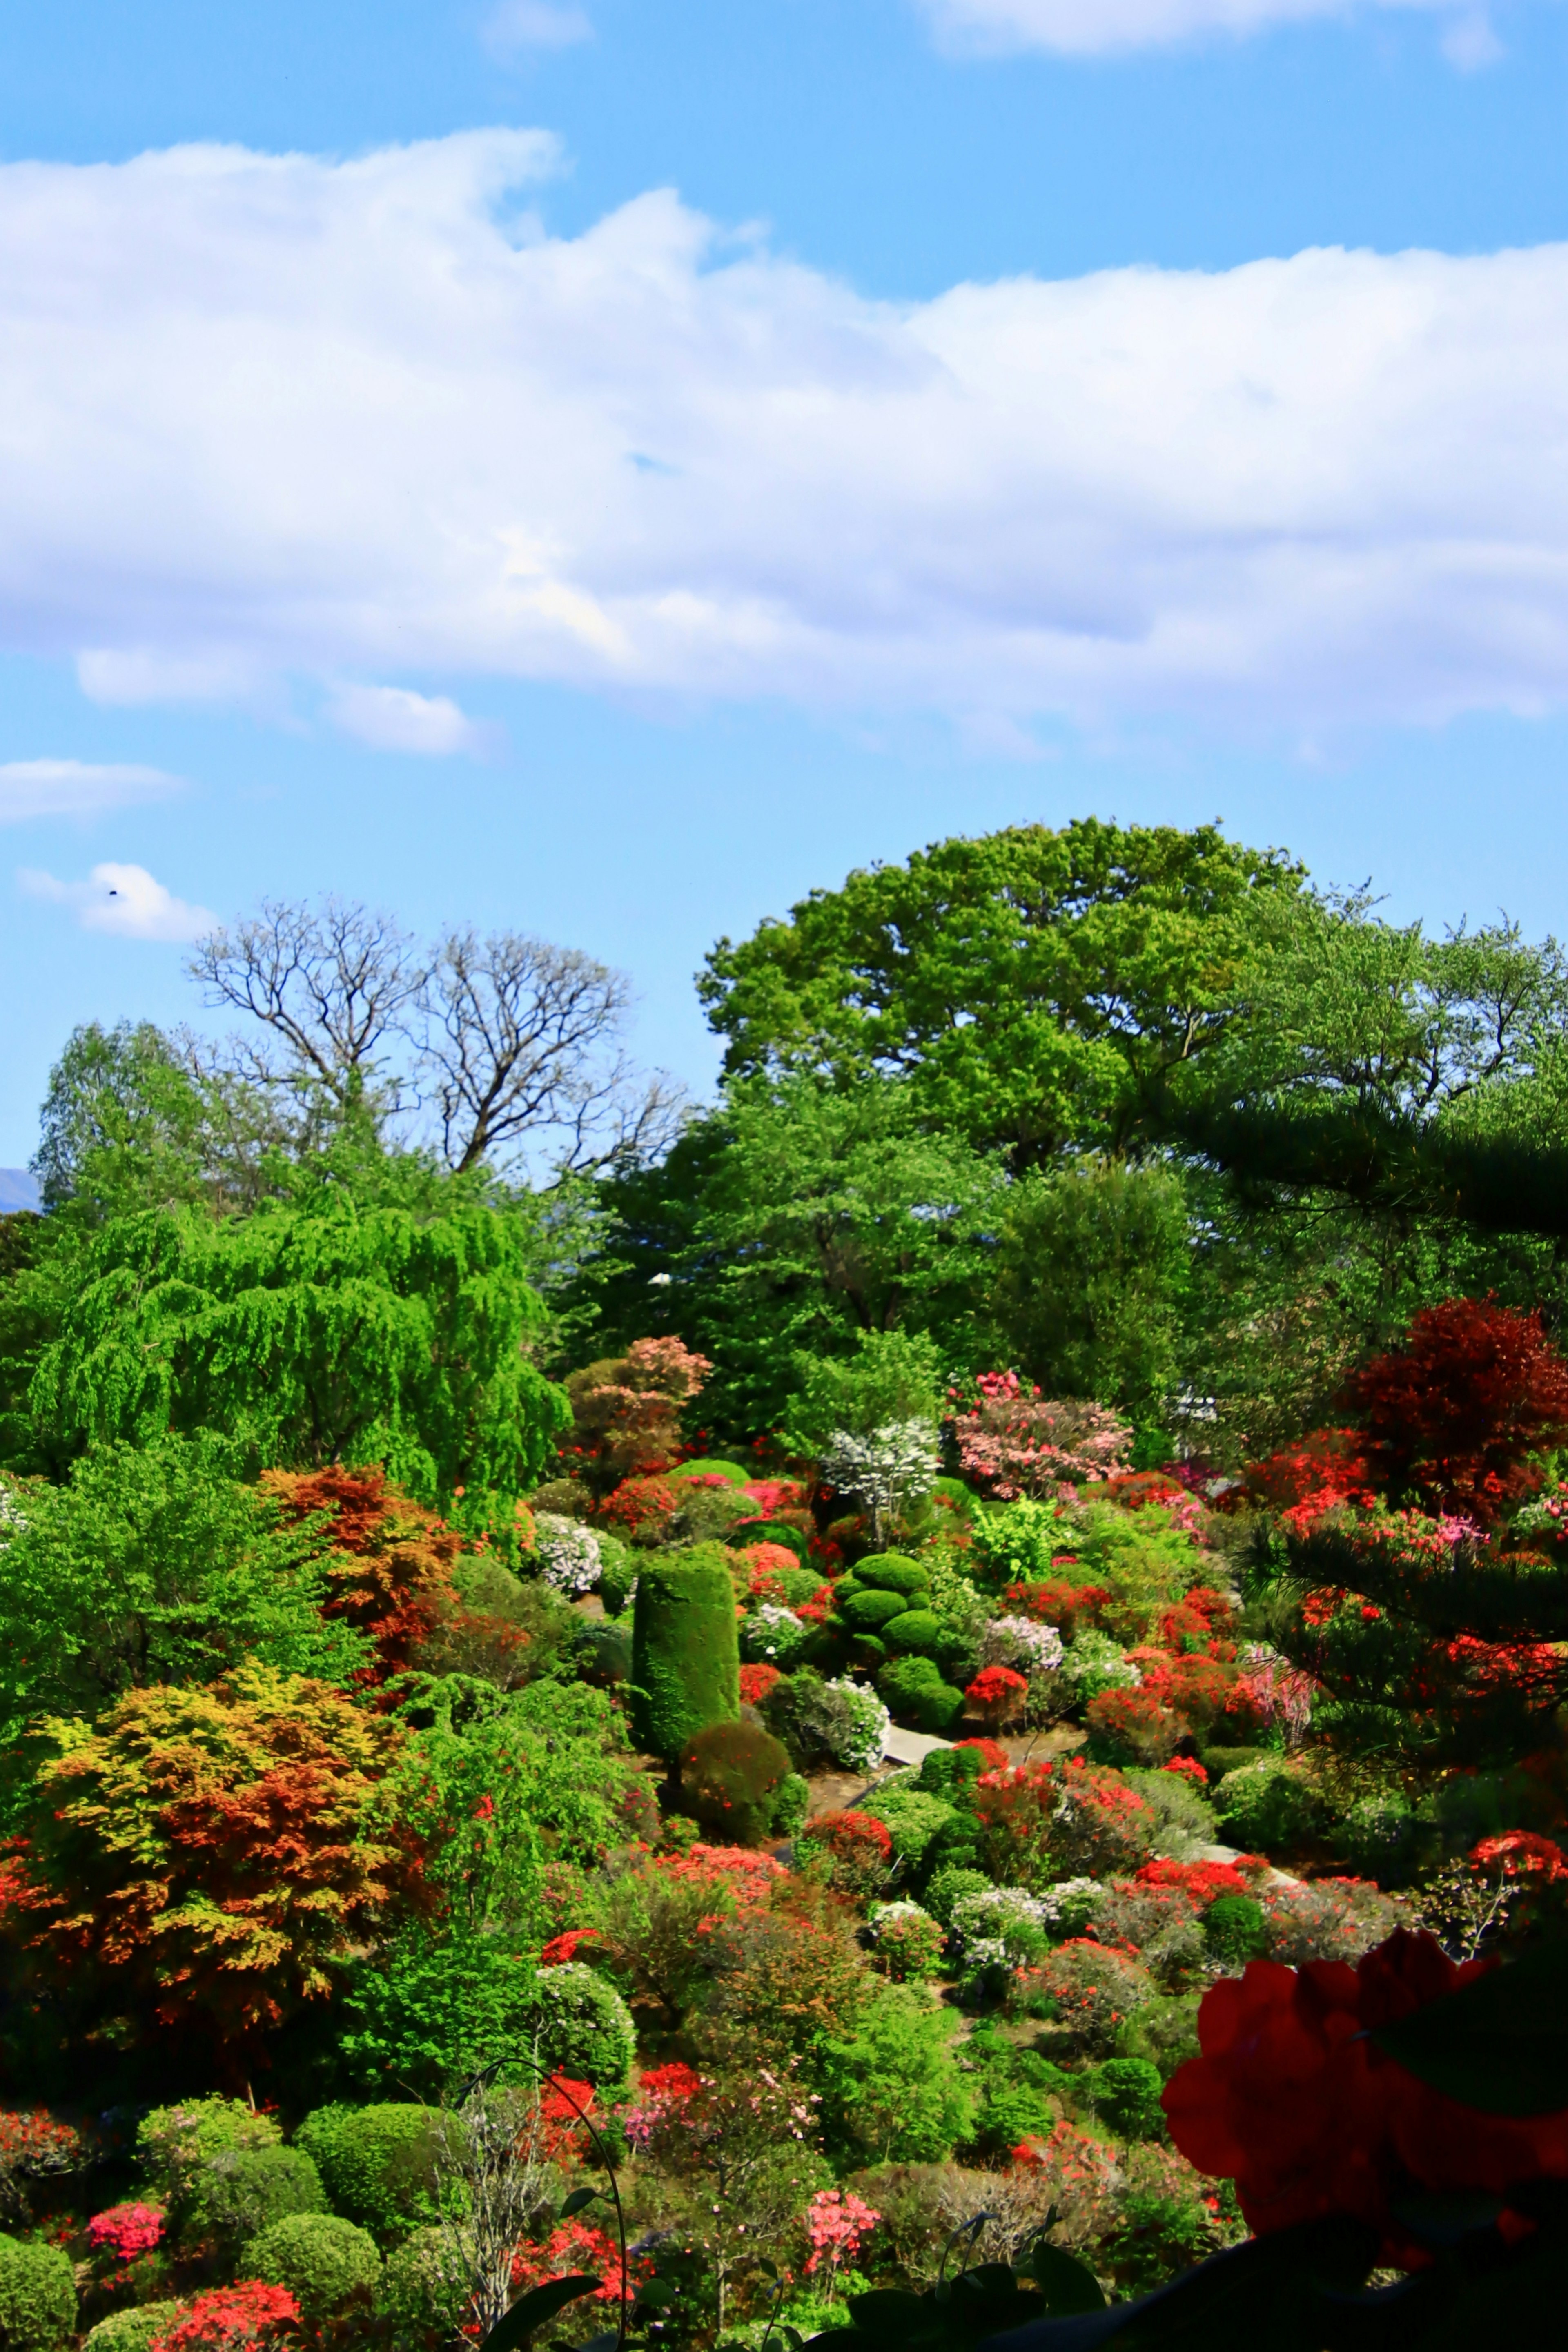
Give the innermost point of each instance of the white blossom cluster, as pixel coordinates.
(896, 1464)
(886, 1916)
(1023, 1643)
(774, 1634)
(1002, 1927)
(568, 1553)
(861, 1745)
(1068, 1903)
(1096, 1655)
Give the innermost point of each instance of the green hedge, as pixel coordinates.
(686, 1658)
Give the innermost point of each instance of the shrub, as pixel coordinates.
(1454, 1412)
(948, 1888)
(1125, 2093)
(618, 1570)
(914, 1687)
(1047, 1821)
(772, 1531)
(1000, 1928)
(241, 2192)
(1164, 2030)
(730, 1777)
(1267, 1808)
(423, 2295)
(376, 2164)
(569, 1555)
(917, 1630)
(1015, 1442)
(905, 1939)
(842, 1722)
(1022, 1642)
(1184, 1821)
(133, 2330)
(1131, 1727)
(892, 1572)
(124, 2232)
(232, 2319)
(791, 1804)
(34, 2146)
(857, 1848)
(320, 2258)
(1059, 1604)
(733, 1473)
(997, 1694)
(1088, 1992)
(1330, 1920)
(37, 2295)
(869, 1612)
(756, 1682)
(1094, 1663)
(583, 2027)
(173, 2143)
(684, 1664)
(1234, 1930)
(773, 1637)
(913, 1819)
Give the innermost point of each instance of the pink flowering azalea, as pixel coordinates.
(126, 2231)
(836, 2222)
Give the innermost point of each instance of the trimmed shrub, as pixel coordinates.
(773, 1637)
(376, 2163)
(858, 1850)
(173, 2143)
(914, 1689)
(132, 2330)
(1131, 1727)
(1267, 1808)
(913, 1820)
(774, 1531)
(790, 1804)
(423, 2295)
(37, 2295)
(1184, 1820)
(1235, 1930)
(241, 2192)
(583, 2028)
(951, 1771)
(686, 1662)
(1125, 2093)
(731, 1775)
(905, 1939)
(892, 1572)
(322, 2259)
(708, 1468)
(948, 1888)
(916, 1631)
(842, 1722)
(869, 1611)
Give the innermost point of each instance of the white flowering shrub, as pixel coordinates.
(773, 1637)
(1093, 1662)
(568, 1553)
(894, 1465)
(1023, 1643)
(860, 1724)
(906, 1939)
(1067, 1907)
(1004, 1927)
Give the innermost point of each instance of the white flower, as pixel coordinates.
(773, 1634)
(569, 1553)
(1021, 1641)
(897, 1464)
(1097, 1654)
(861, 1748)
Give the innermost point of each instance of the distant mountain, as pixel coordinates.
(19, 1190)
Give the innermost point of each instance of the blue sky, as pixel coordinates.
(849, 421)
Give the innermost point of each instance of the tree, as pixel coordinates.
(154, 1565)
(208, 1859)
(1038, 989)
(314, 1332)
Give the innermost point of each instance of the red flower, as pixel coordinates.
(991, 1753)
(560, 1948)
(995, 1687)
(231, 2319)
(1309, 2118)
(756, 1682)
(1188, 1768)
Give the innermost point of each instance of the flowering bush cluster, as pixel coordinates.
(569, 1554)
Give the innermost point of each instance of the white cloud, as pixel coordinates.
(521, 24)
(124, 900)
(268, 415)
(1102, 28)
(34, 788)
(392, 719)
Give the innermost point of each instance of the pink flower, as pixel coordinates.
(836, 2222)
(126, 2231)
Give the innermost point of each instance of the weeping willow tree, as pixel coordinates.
(315, 1331)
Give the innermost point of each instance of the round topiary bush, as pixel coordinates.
(705, 1468)
(242, 2192)
(916, 1631)
(1125, 2093)
(423, 2295)
(891, 1571)
(869, 1610)
(949, 1886)
(914, 1689)
(376, 2163)
(731, 1775)
(322, 2259)
(1235, 1929)
(173, 2143)
(132, 2330)
(686, 1660)
(37, 2295)
(582, 2026)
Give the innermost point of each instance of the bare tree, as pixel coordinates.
(333, 984)
(519, 1038)
(496, 2180)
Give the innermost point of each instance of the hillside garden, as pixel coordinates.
(929, 1701)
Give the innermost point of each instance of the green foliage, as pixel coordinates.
(1184, 1820)
(1235, 1930)
(131, 2330)
(423, 2295)
(376, 2164)
(892, 1375)
(730, 1778)
(37, 2295)
(892, 2088)
(1035, 986)
(1094, 1266)
(174, 2143)
(918, 1631)
(914, 1689)
(1124, 2093)
(705, 1468)
(891, 1571)
(314, 1330)
(913, 1820)
(153, 1565)
(322, 2260)
(686, 1662)
(1266, 1808)
(948, 1888)
(868, 1612)
(238, 2192)
(580, 2026)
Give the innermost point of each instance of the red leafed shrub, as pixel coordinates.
(126, 2231)
(1292, 2100)
(996, 1693)
(231, 2319)
(1052, 1819)
(1328, 1468)
(389, 1561)
(1057, 1600)
(1194, 1621)
(1131, 1727)
(626, 1410)
(1453, 1413)
(1202, 1690)
(1206, 1882)
(756, 1682)
(215, 1852)
(638, 1504)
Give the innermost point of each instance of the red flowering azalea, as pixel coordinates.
(563, 1948)
(1309, 2118)
(1521, 1854)
(991, 1753)
(1204, 1881)
(231, 2319)
(126, 2231)
(756, 1682)
(1187, 1767)
(996, 1692)
(1057, 1601)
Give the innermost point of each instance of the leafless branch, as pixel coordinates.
(333, 984)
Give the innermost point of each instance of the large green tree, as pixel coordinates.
(1038, 989)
